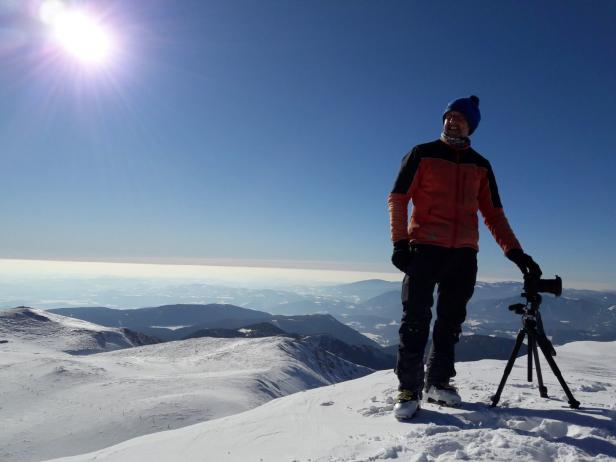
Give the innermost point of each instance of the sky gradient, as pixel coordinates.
(273, 130)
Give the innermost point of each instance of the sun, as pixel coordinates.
(79, 34)
(82, 37)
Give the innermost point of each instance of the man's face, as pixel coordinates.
(455, 124)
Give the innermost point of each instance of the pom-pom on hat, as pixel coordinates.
(469, 107)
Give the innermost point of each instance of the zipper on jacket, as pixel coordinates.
(455, 216)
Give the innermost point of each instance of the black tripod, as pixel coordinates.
(532, 327)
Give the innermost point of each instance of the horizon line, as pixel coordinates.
(306, 266)
(322, 265)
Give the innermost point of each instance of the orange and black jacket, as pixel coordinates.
(447, 187)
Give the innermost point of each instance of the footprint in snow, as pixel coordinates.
(593, 387)
(378, 409)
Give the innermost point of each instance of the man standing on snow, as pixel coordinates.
(447, 182)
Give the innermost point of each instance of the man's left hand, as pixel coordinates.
(525, 262)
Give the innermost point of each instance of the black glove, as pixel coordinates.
(526, 264)
(402, 256)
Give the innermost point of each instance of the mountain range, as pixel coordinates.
(576, 315)
(358, 321)
(371, 307)
(173, 322)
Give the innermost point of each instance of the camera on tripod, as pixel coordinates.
(533, 285)
(532, 327)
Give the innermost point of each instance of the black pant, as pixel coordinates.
(455, 272)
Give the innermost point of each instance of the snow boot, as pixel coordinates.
(407, 404)
(442, 393)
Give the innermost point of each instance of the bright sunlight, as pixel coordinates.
(81, 35)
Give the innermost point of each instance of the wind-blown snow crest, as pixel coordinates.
(61, 333)
(353, 421)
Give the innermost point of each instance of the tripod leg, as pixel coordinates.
(547, 348)
(531, 347)
(543, 391)
(514, 354)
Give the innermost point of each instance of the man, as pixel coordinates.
(447, 182)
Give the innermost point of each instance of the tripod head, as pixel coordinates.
(533, 285)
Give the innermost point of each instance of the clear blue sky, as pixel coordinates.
(273, 130)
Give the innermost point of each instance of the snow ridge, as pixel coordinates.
(61, 333)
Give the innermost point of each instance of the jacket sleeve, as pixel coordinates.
(401, 194)
(493, 214)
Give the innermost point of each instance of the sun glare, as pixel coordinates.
(80, 35)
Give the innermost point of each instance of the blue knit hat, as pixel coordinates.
(469, 107)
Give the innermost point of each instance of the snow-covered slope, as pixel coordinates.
(353, 421)
(60, 333)
(53, 404)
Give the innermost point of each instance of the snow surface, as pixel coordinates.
(353, 421)
(170, 327)
(55, 404)
(376, 338)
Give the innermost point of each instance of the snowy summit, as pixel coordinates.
(352, 421)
